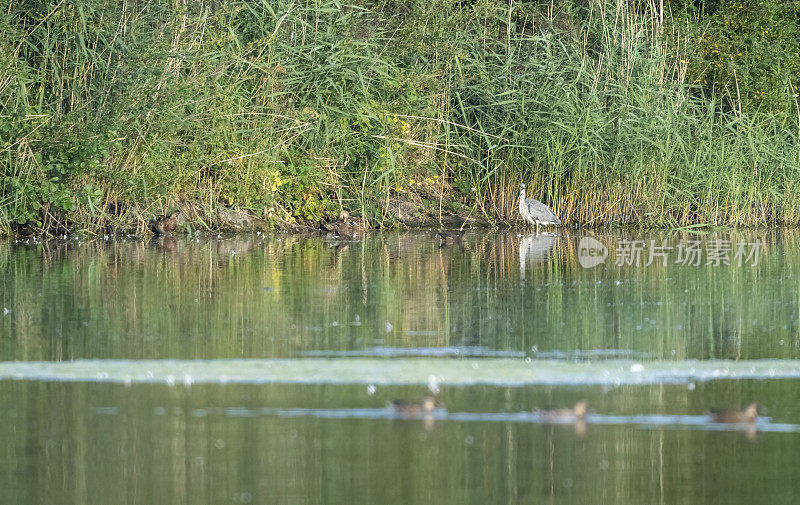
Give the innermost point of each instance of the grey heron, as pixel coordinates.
(534, 211)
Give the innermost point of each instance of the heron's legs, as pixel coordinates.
(537, 226)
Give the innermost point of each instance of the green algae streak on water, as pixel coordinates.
(258, 369)
(400, 371)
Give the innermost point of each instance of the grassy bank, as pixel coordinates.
(614, 112)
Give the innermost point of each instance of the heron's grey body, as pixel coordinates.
(535, 212)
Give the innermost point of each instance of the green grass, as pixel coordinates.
(111, 113)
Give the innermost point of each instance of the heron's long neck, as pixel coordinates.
(521, 195)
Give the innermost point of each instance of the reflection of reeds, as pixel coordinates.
(170, 439)
(279, 295)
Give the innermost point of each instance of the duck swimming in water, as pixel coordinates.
(411, 409)
(166, 224)
(748, 415)
(450, 237)
(344, 227)
(577, 413)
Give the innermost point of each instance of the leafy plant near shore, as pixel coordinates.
(745, 52)
(613, 112)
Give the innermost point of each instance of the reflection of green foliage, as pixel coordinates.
(430, 296)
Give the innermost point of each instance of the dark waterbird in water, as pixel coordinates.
(577, 413)
(535, 212)
(746, 416)
(344, 227)
(575, 416)
(450, 237)
(411, 409)
(166, 224)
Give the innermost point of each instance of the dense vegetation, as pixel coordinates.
(613, 111)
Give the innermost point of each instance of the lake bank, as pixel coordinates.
(611, 115)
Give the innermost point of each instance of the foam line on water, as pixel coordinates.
(391, 352)
(398, 371)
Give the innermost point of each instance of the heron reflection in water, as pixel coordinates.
(534, 248)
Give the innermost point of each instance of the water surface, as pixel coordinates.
(258, 369)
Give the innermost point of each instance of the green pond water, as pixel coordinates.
(258, 369)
